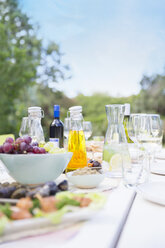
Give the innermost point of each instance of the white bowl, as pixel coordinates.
(35, 168)
(85, 181)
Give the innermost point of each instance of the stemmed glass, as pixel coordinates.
(66, 127)
(87, 128)
(24, 129)
(133, 127)
(149, 135)
(67, 123)
(157, 131)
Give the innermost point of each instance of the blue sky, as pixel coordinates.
(108, 44)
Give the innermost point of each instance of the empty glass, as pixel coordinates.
(24, 129)
(135, 172)
(133, 126)
(149, 136)
(66, 127)
(157, 132)
(87, 128)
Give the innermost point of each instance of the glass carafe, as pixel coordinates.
(76, 140)
(35, 128)
(115, 151)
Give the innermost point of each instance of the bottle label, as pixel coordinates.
(55, 141)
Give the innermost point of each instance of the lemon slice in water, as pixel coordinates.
(115, 162)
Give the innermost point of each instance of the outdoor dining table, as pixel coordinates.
(126, 221)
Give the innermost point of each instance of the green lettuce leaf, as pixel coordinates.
(54, 217)
(98, 200)
(3, 221)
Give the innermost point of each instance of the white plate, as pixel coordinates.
(36, 226)
(158, 168)
(160, 155)
(152, 191)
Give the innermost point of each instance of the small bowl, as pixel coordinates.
(35, 168)
(85, 181)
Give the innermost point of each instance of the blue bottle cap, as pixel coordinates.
(56, 111)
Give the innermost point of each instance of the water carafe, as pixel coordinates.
(35, 128)
(115, 151)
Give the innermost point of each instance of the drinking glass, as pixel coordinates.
(135, 172)
(66, 127)
(133, 126)
(148, 136)
(87, 128)
(24, 129)
(157, 132)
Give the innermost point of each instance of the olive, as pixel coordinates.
(53, 187)
(19, 193)
(96, 164)
(91, 161)
(44, 191)
(63, 186)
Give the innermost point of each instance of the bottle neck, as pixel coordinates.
(57, 115)
(56, 118)
(76, 124)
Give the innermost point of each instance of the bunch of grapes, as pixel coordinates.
(21, 146)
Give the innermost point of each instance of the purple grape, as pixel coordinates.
(9, 140)
(36, 149)
(1, 149)
(19, 141)
(27, 139)
(42, 150)
(29, 148)
(23, 147)
(7, 147)
(17, 144)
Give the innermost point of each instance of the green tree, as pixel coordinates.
(24, 61)
(152, 95)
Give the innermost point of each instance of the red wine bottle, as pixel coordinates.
(57, 129)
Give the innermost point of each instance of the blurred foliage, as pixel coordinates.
(24, 61)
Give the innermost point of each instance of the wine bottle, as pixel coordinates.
(125, 122)
(57, 129)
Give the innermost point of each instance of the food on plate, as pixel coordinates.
(85, 171)
(94, 150)
(52, 207)
(17, 190)
(25, 145)
(94, 163)
(94, 147)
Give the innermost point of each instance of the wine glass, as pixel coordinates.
(148, 136)
(66, 127)
(87, 128)
(24, 129)
(132, 127)
(157, 131)
(156, 128)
